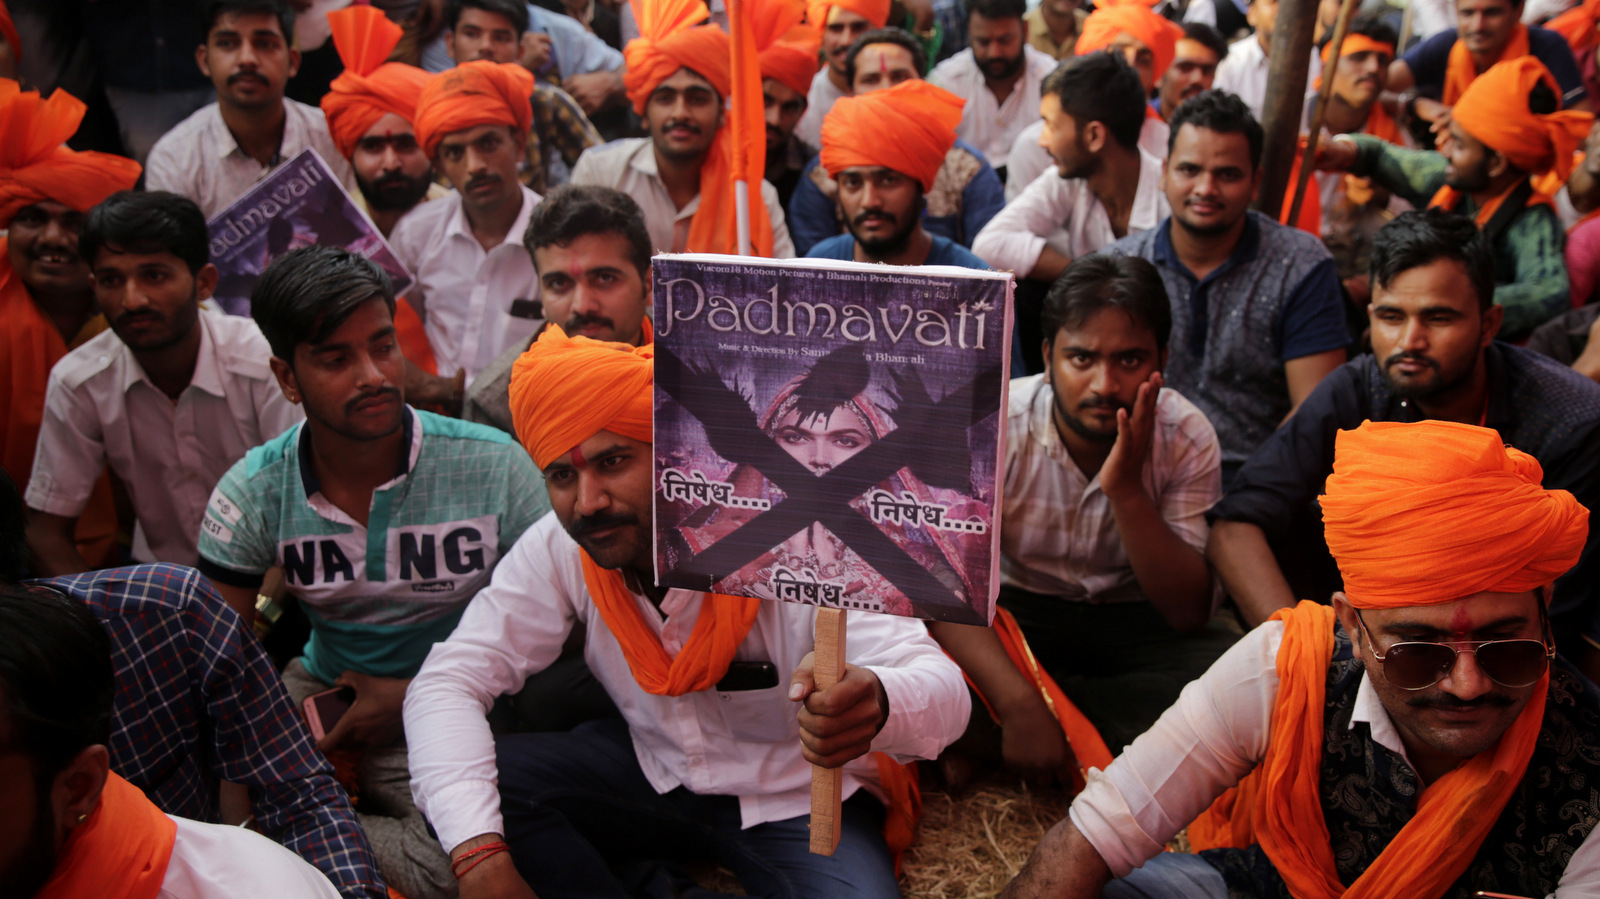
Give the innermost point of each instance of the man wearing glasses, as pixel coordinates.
(1420, 738)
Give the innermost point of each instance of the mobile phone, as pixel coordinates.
(1484, 894)
(323, 710)
(744, 676)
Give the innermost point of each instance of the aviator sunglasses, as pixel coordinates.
(1415, 665)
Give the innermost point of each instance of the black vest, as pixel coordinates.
(1369, 793)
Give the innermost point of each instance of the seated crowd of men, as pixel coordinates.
(1294, 524)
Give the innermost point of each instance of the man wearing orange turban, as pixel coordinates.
(787, 55)
(1510, 149)
(1412, 740)
(837, 23)
(885, 150)
(679, 80)
(708, 749)
(46, 304)
(475, 285)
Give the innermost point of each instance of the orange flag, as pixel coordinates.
(747, 119)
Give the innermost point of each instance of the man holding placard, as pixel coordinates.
(711, 759)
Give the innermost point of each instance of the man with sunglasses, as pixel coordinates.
(1421, 738)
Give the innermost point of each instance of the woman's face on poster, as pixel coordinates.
(821, 443)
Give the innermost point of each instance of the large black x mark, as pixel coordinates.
(736, 435)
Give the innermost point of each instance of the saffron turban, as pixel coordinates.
(1494, 109)
(34, 164)
(474, 93)
(8, 30)
(669, 40)
(874, 11)
(1136, 19)
(565, 389)
(791, 63)
(369, 87)
(908, 128)
(1433, 511)
(786, 50)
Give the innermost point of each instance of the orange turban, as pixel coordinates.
(908, 128)
(668, 41)
(874, 11)
(1471, 518)
(565, 389)
(1136, 19)
(369, 88)
(474, 93)
(8, 30)
(1494, 109)
(786, 50)
(34, 164)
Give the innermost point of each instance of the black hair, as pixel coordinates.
(154, 221)
(1542, 100)
(572, 211)
(835, 380)
(515, 12)
(56, 680)
(1208, 37)
(1101, 87)
(278, 9)
(997, 9)
(305, 295)
(1222, 112)
(1424, 236)
(13, 531)
(891, 35)
(1092, 284)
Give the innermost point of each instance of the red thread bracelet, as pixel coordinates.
(478, 855)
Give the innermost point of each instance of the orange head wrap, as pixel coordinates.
(668, 41)
(786, 50)
(34, 166)
(474, 93)
(792, 63)
(8, 30)
(909, 128)
(369, 88)
(1159, 34)
(1357, 43)
(565, 389)
(874, 11)
(1494, 109)
(1577, 25)
(1472, 518)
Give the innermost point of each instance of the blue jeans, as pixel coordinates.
(1170, 875)
(582, 821)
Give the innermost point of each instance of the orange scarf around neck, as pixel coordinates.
(1461, 71)
(121, 850)
(1279, 804)
(1448, 198)
(721, 627)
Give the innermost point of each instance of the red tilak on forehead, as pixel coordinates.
(577, 457)
(1461, 620)
(575, 270)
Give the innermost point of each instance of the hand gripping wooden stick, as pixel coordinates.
(827, 783)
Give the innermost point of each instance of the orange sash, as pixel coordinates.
(121, 850)
(1279, 804)
(1449, 198)
(1461, 71)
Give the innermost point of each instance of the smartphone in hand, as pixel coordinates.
(323, 710)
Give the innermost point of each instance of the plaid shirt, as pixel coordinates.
(198, 701)
(560, 134)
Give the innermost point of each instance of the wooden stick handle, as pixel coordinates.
(1319, 111)
(827, 783)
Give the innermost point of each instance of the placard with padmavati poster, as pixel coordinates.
(831, 432)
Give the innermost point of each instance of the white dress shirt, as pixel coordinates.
(1245, 70)
(1214, 735)
(213, 861)
(744, 744)
(629, 165)
(200, 159)
(1065, 215)
(986, 123)
(1028, 159)
(468, 294)
(819, 100)
(101, 408)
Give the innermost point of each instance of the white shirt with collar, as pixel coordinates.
(823, 94)
(1065, 215)
(1245, 70)
(100, 408)
(986, 123)
(469, 295)
(1214, 735)
(744, 744)
(200, 159)
(629, 165)
(1028, 159)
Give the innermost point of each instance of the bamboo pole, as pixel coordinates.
(1341, 26)
(1285, 101)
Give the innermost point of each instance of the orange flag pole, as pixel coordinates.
(747, 117)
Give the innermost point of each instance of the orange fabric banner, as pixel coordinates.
(747, 118)
(122, 849)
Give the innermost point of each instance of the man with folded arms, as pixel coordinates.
(1416, 739)
(693, 770)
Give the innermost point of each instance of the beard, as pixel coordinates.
(895, 242)
(394, 192)
(1441, 381)
(35, 860)
(1001, 68)
(1470, 181)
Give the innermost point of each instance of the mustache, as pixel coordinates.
(1444, 702)
(138, 315)
(395, 179)
(1404, 356)
(588, 524)
(692, 126)
(887, 217)
(480, 180)
(237, 77)
(1109, 405)
(350, 407)
(41, 249)
(587, 319)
